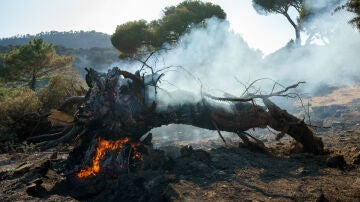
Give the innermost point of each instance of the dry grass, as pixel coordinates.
(341, 96)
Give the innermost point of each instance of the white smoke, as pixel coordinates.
(217, 60)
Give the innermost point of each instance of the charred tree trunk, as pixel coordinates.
(281, 120)
(116, 108)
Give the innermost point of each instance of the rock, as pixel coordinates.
(337, 161)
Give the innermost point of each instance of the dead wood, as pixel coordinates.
(47, 137)
(69, 135)
(125, 109)
(282, 121)
(117, 106)
(71, 101)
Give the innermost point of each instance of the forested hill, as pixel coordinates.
(71, 39)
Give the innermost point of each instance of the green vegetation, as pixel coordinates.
(136, 36)
(14, 104)
(314, 28)
(59, 88)
(30, 62)
(354, 7)
(305, 14)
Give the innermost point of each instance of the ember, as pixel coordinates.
(102, 147)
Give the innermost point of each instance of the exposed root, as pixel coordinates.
(71, 134)
(46, 137)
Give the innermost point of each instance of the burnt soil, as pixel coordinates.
(223, 173)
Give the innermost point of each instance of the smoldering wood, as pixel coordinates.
(117, 105)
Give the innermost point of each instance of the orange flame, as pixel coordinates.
(102, 147)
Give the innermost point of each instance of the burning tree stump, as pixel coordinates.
(117, 112)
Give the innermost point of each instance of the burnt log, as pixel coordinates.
(118, 107)
(282, 121)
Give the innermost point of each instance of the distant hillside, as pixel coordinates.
(71, 39)
(97, 58)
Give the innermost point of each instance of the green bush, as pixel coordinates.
(14, 104)
(59, 88)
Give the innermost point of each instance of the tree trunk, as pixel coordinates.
(116, 110)
(32, 83)
(296, 28)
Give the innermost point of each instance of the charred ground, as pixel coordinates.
(222, 174)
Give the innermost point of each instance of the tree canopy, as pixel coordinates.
(354, 7)
(313, 27)
(266, 7)
(31, 61)
(132, 37)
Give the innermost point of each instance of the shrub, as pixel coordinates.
(14, 104)
(59, 88)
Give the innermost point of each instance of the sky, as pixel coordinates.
(265, 33)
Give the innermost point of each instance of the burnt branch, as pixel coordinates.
(251, 97)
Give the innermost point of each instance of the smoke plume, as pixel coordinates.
(215, 60)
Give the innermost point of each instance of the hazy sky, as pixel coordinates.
(266, 33)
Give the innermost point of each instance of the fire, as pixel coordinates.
(102, 147)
